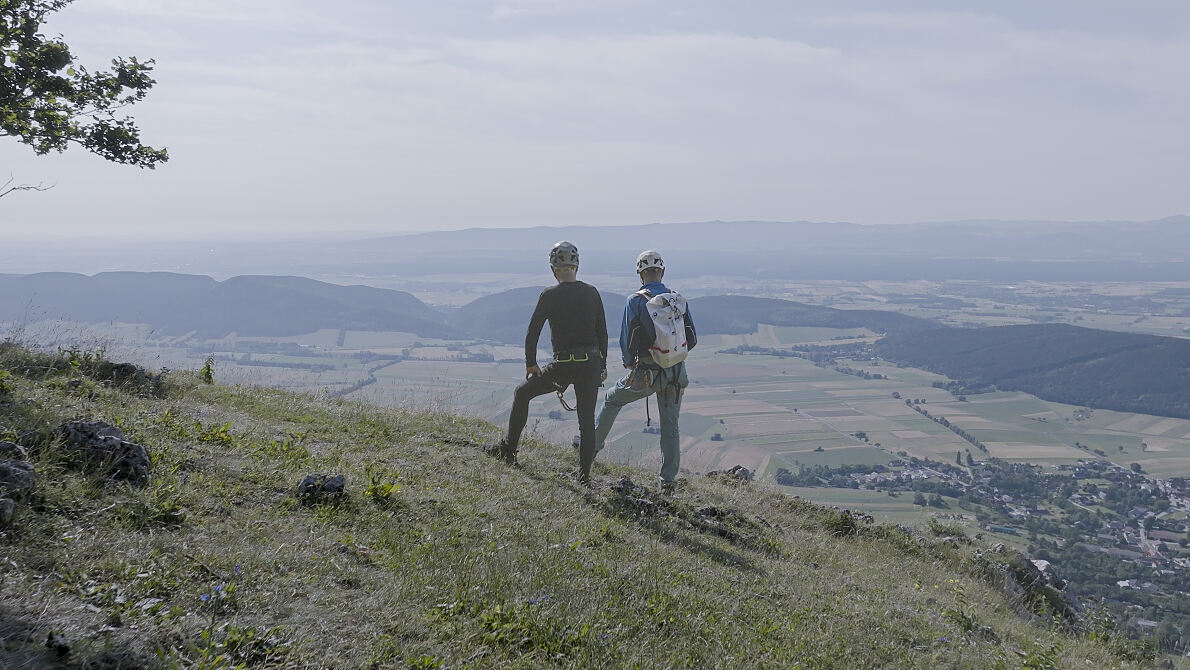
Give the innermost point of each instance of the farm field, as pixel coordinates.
(759, 411)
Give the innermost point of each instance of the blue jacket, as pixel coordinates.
(631, 348)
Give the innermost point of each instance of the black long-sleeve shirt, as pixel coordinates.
(575, 312)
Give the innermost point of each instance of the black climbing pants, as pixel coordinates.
(585, 376)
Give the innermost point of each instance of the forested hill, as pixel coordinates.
(249, 305)
(264, 306)
(734, 314)
(1080, 366)
(503, 316)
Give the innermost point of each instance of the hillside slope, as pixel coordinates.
(439, 556)
(1128, 372)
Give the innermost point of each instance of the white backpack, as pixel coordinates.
(668, 314)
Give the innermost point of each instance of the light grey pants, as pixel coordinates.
(669, 385)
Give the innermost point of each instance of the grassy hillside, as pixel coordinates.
(1128, 372)
(437, 556)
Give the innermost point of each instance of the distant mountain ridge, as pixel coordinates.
(265, 306)
(979, 250)
(989, 250)
(1128, 372)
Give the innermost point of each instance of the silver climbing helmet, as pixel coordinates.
(564, 254)
(649, 259)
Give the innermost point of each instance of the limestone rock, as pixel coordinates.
(744, 474)
(1036, 584)
(13, 451)
(57, 643)
(7, 509)
(318, 487)
(102, 445)
(17, 478)
(736, 474)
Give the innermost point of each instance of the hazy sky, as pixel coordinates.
(391, 115)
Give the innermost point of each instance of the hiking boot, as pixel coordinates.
(668, 488)
(502, 451)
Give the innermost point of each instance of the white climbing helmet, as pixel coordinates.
(564, 254)
(649, 259)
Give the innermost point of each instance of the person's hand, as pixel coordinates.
(603, 376)
(532, 371)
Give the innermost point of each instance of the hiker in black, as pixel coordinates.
(578, 332)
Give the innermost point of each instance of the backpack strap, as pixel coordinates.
(633, 337)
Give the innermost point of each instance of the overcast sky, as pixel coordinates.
(391, 116)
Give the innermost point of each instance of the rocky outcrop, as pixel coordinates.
(100, 445)
(736, 474)
(1034, 583)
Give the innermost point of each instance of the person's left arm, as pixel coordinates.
(601, 334)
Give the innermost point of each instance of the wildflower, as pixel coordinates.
(236, 572)
(219, 589)
(205, 597)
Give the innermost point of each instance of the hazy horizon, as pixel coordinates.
(289, 117)
(39, 236)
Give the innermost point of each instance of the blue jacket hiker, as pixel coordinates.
(638, 335)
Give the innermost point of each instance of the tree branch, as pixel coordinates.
(8, 187)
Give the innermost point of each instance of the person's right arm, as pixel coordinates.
(631, 316)
(533, 334)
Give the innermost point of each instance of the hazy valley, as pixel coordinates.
(1046, 413)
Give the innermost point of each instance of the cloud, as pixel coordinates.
(432, 112)
(270, 12)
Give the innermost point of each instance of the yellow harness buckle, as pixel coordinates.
(571, 358)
